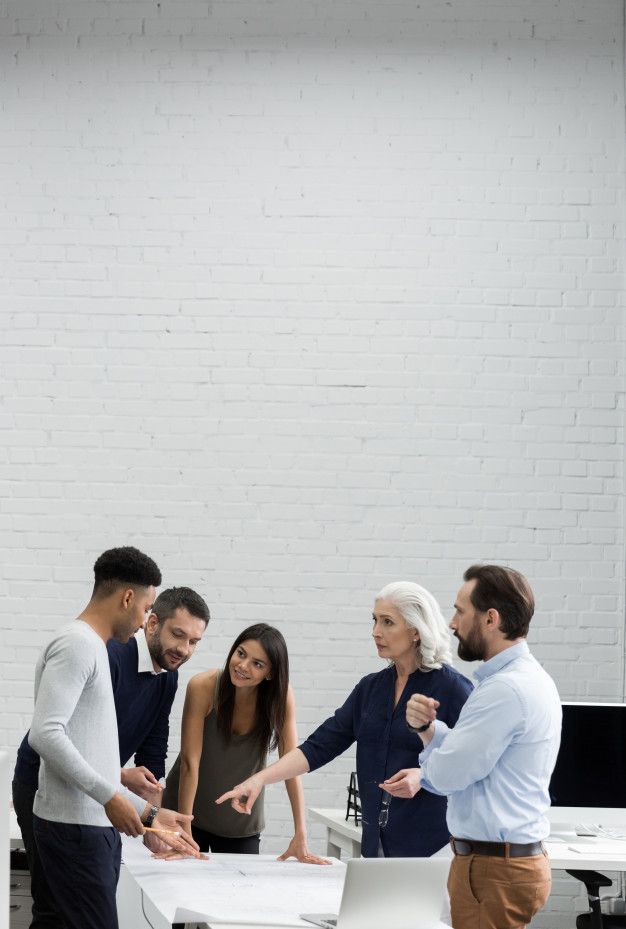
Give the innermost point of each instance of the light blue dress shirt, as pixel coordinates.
(495, 765)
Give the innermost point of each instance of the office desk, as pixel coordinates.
(341, 835)
(154, 894)
(254, 889)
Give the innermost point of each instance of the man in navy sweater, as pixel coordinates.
(144, 673)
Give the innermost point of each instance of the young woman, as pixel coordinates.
(231, 719)
(399, 820)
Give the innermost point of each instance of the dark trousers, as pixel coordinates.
(209, 842)
(82, 867)
(45, 912)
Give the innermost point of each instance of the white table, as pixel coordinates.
(345, 835)
(221, 890)
(154, 894)
(341, 835)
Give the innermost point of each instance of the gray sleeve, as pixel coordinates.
(67, 669)
(138, 802)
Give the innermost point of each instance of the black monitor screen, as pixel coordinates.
(591, 765)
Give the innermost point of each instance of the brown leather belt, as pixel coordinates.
(497, 849)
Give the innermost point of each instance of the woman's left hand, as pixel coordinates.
(405, 783)
(299, 849)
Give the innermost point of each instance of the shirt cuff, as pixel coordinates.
(441, 731)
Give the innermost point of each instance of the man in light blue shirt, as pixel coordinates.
(495, 765)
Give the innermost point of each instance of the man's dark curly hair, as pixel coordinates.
(170, 600)
(127, 565)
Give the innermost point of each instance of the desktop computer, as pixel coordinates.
(588, 786)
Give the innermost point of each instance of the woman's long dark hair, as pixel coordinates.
(271, 698)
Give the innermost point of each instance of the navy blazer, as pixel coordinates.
(416, 827)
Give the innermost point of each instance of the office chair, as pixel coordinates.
(595, 918)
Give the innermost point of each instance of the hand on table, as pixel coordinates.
(405, 783)
(156, 845)
(176, 833)
(299, 849)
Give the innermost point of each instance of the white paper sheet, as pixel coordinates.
(235, 888)
(602, 848)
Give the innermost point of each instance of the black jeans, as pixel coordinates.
(82, 866)
(45, 912)
(209, 842)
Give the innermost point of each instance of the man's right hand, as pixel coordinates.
(143, 783)
(420, 711)
(174, 829)
(123, 815)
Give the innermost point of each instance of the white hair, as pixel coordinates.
(421, 611)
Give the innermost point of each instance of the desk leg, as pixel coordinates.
(356, 849)
(334, 851)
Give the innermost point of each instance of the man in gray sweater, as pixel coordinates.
(81, 807)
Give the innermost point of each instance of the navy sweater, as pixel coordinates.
(416, 827)
(142, 703)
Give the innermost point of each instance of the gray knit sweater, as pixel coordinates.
(74, 729)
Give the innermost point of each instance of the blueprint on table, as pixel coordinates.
(235, 888)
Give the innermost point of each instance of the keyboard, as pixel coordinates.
(601, 832)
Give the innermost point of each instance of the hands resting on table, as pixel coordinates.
(167, 851)
(171, 829)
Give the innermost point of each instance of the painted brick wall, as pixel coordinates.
(303, 298)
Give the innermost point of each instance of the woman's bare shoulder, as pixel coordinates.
(202, 685)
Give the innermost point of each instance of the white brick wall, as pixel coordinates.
(303, 298)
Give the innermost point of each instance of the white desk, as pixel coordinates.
(341, 834)
(154, 894)
(562, 857)
(255, 889)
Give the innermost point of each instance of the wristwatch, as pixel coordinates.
(152, 815)
(420, 728)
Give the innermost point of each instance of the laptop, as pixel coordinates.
(396, 893)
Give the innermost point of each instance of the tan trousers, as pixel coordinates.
(487, 892)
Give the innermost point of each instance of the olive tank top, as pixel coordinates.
(222, 765)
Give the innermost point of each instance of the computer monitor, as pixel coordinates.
(589, 781)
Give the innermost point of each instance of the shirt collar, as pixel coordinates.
(500, 660)
(144, 659)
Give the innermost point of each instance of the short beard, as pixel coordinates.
(157, 652)
(472, 648)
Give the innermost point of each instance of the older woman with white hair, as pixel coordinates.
(399, 820)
